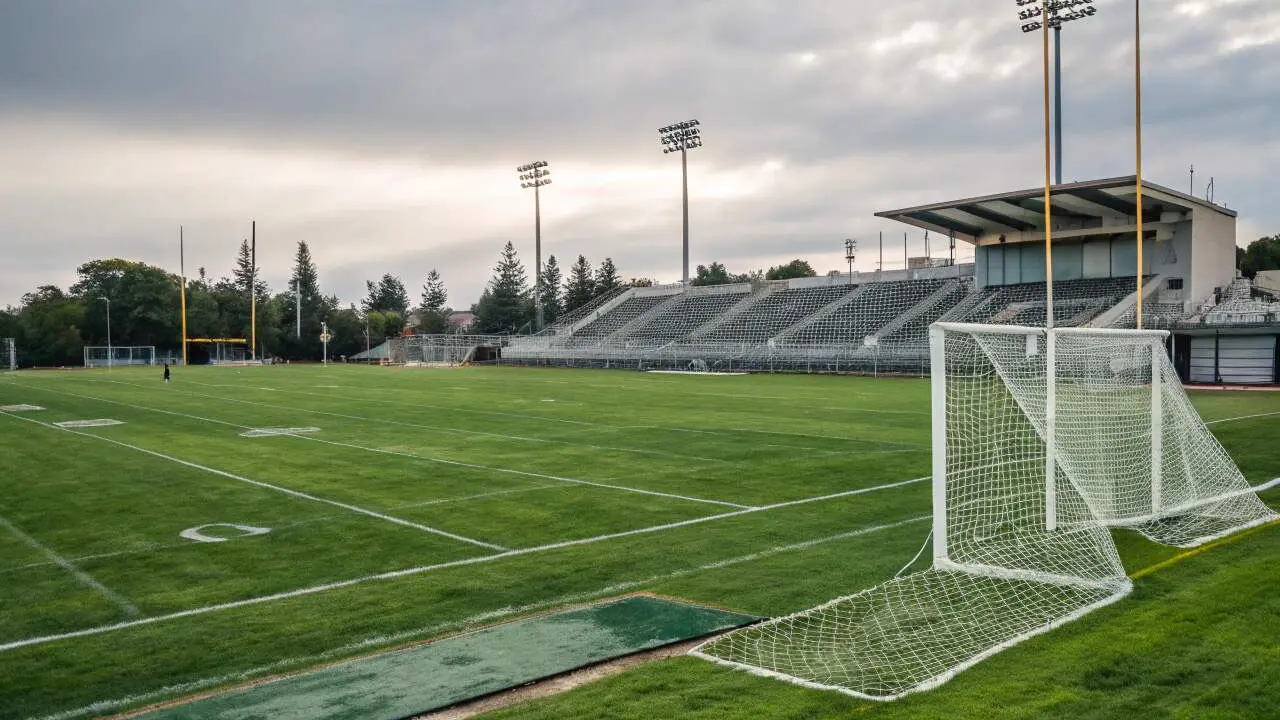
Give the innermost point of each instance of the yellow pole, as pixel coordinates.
(182, 270)
(1048, 181)
(1137, 49)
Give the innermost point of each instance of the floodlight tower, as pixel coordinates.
(1033, 14)
(536, 175)
(850, 252)
(682, 137)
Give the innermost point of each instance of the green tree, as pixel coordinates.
(714, 274)
(1262, 254)
(387, 295)
(434, 311)
(505, 305)
(607, 277)
(50, 323)
(580, 288)
(145, 304)
(641, 282)
(795, 269)
(549, 291)
(304, 285)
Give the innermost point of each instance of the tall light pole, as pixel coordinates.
(850, 251)
(110, 354)
(536, 175)
(1034, 14)
(682, 137)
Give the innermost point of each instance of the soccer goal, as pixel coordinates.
(8, 354)
(1042, 441)
(117, 355)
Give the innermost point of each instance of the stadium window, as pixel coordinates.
(1175, 283)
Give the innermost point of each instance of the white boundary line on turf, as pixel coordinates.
(268, 486)
(423, 458)
(103, 706)
(1242, 417)
(83, 577)
(407, 572)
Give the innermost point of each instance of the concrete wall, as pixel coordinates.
(1214, 239)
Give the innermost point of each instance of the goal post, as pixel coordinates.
(8, 354)
(119, 355)
(1043, 442)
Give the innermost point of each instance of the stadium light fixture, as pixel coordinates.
(850, 251)
(536, 175)
(1034, 14)
(682, 137)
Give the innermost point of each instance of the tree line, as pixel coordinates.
(52, 325)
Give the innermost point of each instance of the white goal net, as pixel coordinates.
(8, 354)
(1042, 440)
(118, 355)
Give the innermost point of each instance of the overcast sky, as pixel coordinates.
(386, 133)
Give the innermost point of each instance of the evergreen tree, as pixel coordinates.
(580, 287)
(505, 307)
(433, 313)
(549, 292)
(386, 295)
(607, 279)
(303, 344)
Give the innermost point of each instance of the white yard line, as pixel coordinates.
(1242, 417)
(395, 574)
(104, 706)
(268, 486)
(424, 458)
(83, 577)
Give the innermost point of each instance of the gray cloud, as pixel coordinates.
(861, 105)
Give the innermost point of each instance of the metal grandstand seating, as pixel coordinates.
(872, 307)
(777, 310)
(683, 315)
(616, 318)
(877, 323)
(1075, 302)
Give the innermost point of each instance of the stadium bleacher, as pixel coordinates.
(867, 323)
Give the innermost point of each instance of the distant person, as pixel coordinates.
(166, 372)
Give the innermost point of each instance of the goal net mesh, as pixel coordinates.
(1033, 459)
(119, 355)
(8, 354)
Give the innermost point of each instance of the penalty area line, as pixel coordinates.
(269, 486)
(409, 572)
(83, 577)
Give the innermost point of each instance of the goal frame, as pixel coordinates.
(8, 354)
(133, 355)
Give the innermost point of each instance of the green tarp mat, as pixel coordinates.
(428, 677)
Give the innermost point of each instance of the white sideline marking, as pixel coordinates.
(269, 486)
(245, 531)
(407, 572)
(275, 432)
(1242, 417)
(103, 422)
(438, 428)
(85, 578)
(20, 408)
(103, 706)
(424, 458)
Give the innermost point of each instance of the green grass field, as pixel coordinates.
(431, 501)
